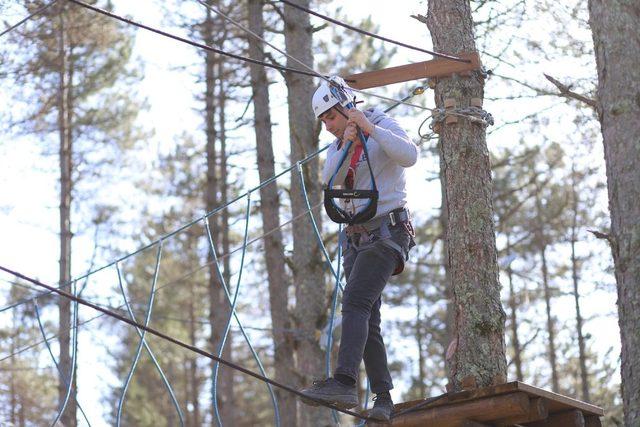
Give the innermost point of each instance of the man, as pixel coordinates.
(372, 251)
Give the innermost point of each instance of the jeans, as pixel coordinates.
(368, 264)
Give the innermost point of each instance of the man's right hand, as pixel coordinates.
(351, 134)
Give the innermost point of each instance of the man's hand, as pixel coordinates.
(358, 118)
(351, 134)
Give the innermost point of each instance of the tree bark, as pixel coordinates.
(227, 375)
(283, 344)
(617, 47)
(477, 352)
(68, 417)
(310, 314)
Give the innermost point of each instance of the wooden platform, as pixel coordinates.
(509, 404)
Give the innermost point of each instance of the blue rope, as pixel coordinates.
(146, 346)
(234, 314)
(55, 362)
(315, 227)
(334, 305)
(74, 348)
(140, 344)
(174, 232)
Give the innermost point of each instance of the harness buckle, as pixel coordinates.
(392, 219)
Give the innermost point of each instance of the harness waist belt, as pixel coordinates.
(394, 217)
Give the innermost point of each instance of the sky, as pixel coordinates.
(28, 197)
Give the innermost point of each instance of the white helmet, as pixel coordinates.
(329, 94)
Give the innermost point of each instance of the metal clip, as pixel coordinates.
(392, 219)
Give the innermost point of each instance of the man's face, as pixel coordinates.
(334, 122)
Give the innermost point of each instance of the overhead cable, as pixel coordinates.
(367, 33)
(184, 40)
(37, 12)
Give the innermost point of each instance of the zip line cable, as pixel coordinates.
(311, 70)
(187, 41)
(367, 33)
(37, 12)
(312, 73)
(177, 342)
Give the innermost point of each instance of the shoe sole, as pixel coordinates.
(342, 404)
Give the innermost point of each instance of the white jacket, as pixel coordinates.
(390, 152)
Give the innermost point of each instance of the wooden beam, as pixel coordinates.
(480, 410)
(538, 411)
(572, 418)
(420, 70)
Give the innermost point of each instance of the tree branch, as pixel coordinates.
(566, 92)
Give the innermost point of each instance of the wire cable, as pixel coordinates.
(187, 41)
(37, 12)
(367, 33)
(312, 72)
(177, 342)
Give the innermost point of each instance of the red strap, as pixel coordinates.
(350, 178)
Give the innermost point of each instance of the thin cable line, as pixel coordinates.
(311, 70)
(367, 33)
(172, 282)
(187, 41)
(178, 342)
(37, 12)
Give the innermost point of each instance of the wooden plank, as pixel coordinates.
(538, 410)
(573, 418)
(564, 400)
(421, 70)
(479, 410)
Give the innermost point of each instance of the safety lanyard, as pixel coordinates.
(336, 213)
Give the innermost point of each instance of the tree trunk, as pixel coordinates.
(283, 344)
(553, 363)
(617, 48)
(193, 389)
(513, 307)
(227, 374)
(584, 376)
(66, 184)
(444, 223)
(307, 259)
(477, 353)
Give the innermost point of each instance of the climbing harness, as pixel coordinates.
(336, 213)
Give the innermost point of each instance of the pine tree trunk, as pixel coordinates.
(308, 272)
(66, 184)
(444, 223)
(584, 375)
(227, 374)
(513, 308)
(553, 364)
(477, 354)
(617, 47)
(283, 345)
(193, 390)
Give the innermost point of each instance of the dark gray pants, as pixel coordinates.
(368, 266)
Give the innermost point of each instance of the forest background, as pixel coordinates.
(142, 167)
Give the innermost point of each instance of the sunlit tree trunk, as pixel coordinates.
(270, 210)
(477, 352)
(617, 46)
(308, 273)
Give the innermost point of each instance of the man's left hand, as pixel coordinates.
(357, 117)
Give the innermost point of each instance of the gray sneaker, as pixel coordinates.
(382, 407)
(331, 391)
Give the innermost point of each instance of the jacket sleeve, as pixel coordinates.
(395, 142)
(331, 163)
